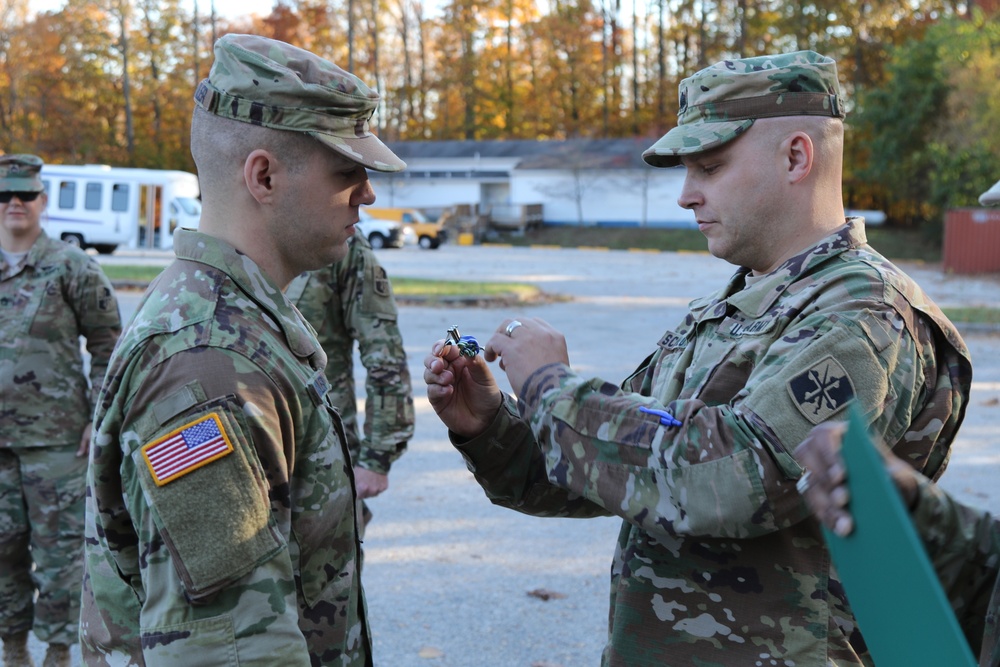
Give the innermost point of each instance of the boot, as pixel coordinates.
(15, 651)
(57, 655)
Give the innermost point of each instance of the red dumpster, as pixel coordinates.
(972, 241)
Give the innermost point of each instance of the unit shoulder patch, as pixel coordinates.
(381, 282)
(186, 449)
(821, 391)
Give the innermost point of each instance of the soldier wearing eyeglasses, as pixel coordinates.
(51, 294)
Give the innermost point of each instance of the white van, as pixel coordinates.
(102, 207)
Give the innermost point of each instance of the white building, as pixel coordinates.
(601, 182)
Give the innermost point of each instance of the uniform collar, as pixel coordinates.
(243, 271)
(758, 299)
(38, 251)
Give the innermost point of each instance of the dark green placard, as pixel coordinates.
(896, 596)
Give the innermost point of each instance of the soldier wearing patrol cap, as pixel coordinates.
(221, 523)
(50, 294)
(718, 560)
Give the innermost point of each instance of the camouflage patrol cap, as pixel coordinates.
(721, 102)
(270, 83)
(21, 173)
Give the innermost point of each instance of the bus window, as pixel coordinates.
(92, 199)
(67, 194)
(119, 197)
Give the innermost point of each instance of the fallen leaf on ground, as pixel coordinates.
(429, 652)
(545, 594)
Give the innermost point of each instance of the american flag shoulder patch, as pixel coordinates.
(186, 449)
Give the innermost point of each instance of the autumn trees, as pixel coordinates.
(110, 81)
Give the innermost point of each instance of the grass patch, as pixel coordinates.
(897, 244)
(431, 289)
(406, 288)
(130, 273)
(973, 315)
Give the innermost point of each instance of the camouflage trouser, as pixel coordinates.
(41, 523)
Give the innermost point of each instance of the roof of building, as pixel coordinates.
(566, 154)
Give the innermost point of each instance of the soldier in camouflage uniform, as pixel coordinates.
(50, 294)
(351, 300)
(718, 560)
(220, 515)
(963, 543)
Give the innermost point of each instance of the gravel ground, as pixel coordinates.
(453, 581)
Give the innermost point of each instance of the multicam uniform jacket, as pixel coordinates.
(59, 295)
(717, 562)
(221, 525)
(351, 300)
(964, 547)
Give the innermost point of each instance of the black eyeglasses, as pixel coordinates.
(25, 197)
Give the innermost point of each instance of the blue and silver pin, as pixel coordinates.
(468, 346)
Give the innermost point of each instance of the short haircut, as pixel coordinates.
(220, 146)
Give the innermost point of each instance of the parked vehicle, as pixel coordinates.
(103, 207)
(428, 235)
(380, 233)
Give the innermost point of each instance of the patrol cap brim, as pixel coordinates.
(693, 138)
(31, 184)
(368, 151)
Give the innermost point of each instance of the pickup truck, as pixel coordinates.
(381, 233)
(428, 235)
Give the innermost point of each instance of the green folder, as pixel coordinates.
(902, 611)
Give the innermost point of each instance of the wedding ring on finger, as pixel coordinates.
(510, 327)
(803, 483)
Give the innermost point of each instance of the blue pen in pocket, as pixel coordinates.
(666, 418)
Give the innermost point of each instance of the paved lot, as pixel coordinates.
(448, 575)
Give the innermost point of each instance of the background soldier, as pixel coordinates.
(221, 523)
(50, 294)
(716, 561)
(351, 300)
(963, 543)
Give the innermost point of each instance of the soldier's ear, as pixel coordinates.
(799, 154)
(258, 175)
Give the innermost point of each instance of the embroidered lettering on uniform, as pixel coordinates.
(318, 388)
(822, 390)
(754, 328)
(381, 286)
(672, 340)
(186, 449)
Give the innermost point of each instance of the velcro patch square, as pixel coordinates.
(381, 285)
(821, 391)
(186, 449)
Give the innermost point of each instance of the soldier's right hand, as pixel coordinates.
(461, 389)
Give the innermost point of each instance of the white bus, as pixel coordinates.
(102, 207)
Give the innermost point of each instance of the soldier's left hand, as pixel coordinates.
(369, 483)
(84, 448)
(530, 344)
